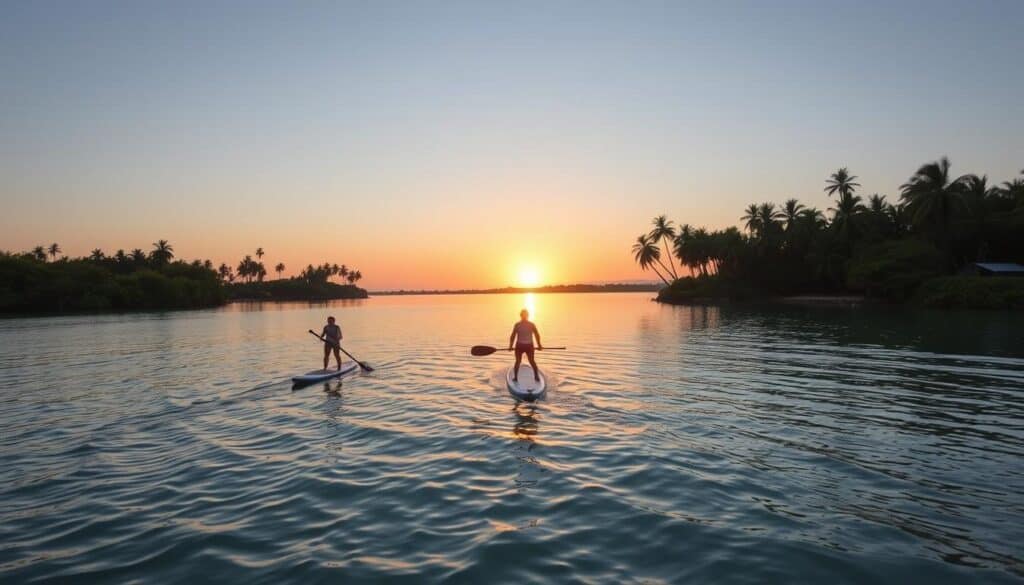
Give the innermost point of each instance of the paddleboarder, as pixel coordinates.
(332, 341)
(522, 336)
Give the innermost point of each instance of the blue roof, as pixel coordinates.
(1000, 266)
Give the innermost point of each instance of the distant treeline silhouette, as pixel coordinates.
(39, 282)
(553, 288)
(882, 249)
(124, 281)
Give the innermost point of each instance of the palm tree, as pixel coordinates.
(259, 253)
(121, 257)
(841, 182)
(932, 198)
(356, 276)
(162, 252)
(791, 213)
(664, 232)
(646, 253)
(225, 271)
(138, 257)
(876, 203)
(279, 269)
(96, 255)
(976, 194)
(844, 211)
(39, 253)
(1014, 191)
(769, 217)
(752, 215)
(813, 215)
(246, 268)
(53, 250)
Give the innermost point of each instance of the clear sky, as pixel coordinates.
(452, 144)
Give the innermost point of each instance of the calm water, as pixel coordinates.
(731, 445)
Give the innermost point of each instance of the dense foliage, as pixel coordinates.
(30, 284)
(884, 250)
(39, 282)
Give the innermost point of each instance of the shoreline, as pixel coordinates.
(841, 300)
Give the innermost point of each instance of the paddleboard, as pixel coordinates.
(526, 388)
(321, 375)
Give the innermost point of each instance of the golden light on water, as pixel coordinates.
(530, 304)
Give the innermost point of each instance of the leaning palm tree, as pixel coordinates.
(646, 253)
(752, 217)
(279, 269)
(932, 198)
(162, 252)
(841, 182)
(53, 250)
(39, 253)
(663, 233)
(791, 213)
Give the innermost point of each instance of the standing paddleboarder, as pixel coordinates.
(332, 340)
(522, 336)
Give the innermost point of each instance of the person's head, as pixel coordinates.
(524, 315)
(330, 320)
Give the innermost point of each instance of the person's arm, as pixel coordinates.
(323, 334)
(536, 334)
(512, 338)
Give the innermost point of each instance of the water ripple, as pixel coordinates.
(703, 444)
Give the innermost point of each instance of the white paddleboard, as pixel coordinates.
(526, 388)
(320, 375)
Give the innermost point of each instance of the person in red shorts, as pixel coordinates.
(522, 336)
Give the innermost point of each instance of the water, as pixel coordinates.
(728, 445)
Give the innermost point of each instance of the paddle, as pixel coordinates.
(482, 350)
(365, 367)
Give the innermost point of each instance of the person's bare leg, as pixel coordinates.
(327, 355)
(533, 364)
(515, 372)
(337, 357)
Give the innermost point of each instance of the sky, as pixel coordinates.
(466, 144)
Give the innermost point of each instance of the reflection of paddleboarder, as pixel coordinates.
(332, 340)
(523, 333)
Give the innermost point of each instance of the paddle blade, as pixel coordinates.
(481, 350)
(365, 367)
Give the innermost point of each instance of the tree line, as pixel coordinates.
(884, 248)
(41, 280)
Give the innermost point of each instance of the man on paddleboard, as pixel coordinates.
(332, 340)
(523, 333)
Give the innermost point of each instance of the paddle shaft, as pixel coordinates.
(338, 346)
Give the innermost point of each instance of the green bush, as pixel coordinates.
(972, 292)
(28, 285)
(893, 270)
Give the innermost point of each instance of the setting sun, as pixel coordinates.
(529, 276)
